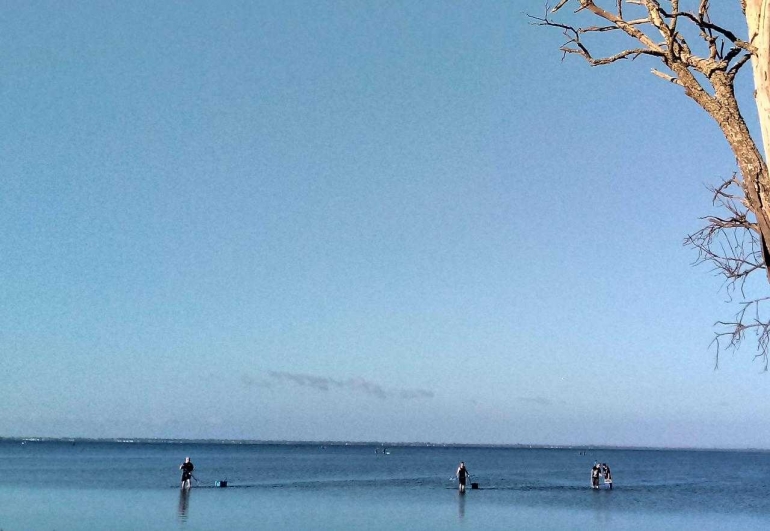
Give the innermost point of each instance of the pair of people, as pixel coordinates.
(600, 469)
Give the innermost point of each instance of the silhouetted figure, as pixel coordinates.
(187, 469)
(607, 475)
(462, 475)
(595, 476)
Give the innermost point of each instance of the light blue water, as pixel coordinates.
(120, 486)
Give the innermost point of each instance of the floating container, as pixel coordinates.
(474, 485)
(222, 483)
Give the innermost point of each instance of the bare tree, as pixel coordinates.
(703, 58)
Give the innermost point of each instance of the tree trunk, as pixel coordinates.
(758, 20)
(723, 108)
(756, 180)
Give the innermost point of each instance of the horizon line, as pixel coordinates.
(307, 442)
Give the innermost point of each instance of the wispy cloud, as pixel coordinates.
(409, 394)
(359, 385)
(537, 400)
(249, 381)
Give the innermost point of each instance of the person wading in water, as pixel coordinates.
(595, 475)
(607, 475)
(462, 475)
(187, 468)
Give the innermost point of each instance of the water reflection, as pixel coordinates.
(184, 502)
(461, 504)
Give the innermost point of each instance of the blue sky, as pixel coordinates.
(392, 221)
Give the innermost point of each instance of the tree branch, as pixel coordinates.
(704, 24)
(748, 319)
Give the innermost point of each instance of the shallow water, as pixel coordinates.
(121, 486)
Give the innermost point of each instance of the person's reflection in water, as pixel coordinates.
(461, 504)
(184, 502)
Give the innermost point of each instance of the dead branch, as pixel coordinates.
(701, 21)
(748, 320)
(730, 244)
(574, 44)
(674, 50)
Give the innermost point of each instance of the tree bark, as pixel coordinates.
(758, 19)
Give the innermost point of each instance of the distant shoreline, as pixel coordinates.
(258, 442)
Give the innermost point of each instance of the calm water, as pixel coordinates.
(127, 486)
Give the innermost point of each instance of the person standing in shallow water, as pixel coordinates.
(595, 476)
(607, 475)
(462, 475)
(187, 469)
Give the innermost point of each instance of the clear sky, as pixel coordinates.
(396, 220)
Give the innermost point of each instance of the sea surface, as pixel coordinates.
(110, 485)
